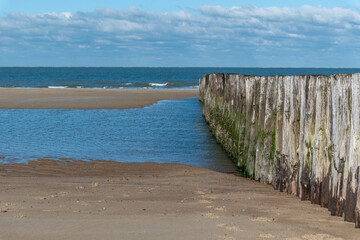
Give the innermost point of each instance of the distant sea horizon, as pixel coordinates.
(136, 77)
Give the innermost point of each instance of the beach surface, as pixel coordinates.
(69, 199)
(87, 98)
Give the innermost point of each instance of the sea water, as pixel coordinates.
(46, 77)
(169, 131)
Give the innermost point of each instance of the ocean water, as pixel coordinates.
(44, 77)
(169, 131)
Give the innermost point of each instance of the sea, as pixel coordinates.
(172, 131)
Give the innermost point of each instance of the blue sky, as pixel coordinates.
(40, 6)
(180, 33)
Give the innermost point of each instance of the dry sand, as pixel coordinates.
(70, 199)
(87, 98)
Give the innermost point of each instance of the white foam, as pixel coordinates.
(158, 84)
(57, 87)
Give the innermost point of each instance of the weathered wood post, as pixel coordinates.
(299, 133)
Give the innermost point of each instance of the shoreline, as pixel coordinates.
(71, 199)
(87, 98)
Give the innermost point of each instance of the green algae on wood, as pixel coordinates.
(299, 133)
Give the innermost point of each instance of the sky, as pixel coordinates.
(187, 33)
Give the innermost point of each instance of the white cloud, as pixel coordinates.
(294, 35)
(246, 29)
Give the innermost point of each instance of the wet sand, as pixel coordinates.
(70, 199)
(87, 98)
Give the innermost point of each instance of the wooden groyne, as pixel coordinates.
(299, 133)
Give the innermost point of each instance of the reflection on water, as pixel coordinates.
(169, 131)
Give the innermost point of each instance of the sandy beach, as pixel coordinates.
(70, 98)
(70, 199)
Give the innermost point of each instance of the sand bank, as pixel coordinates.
(44, 98)
(69, 199)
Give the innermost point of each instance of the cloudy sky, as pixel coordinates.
(186, 33)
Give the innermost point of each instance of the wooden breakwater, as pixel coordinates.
(299, 133)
